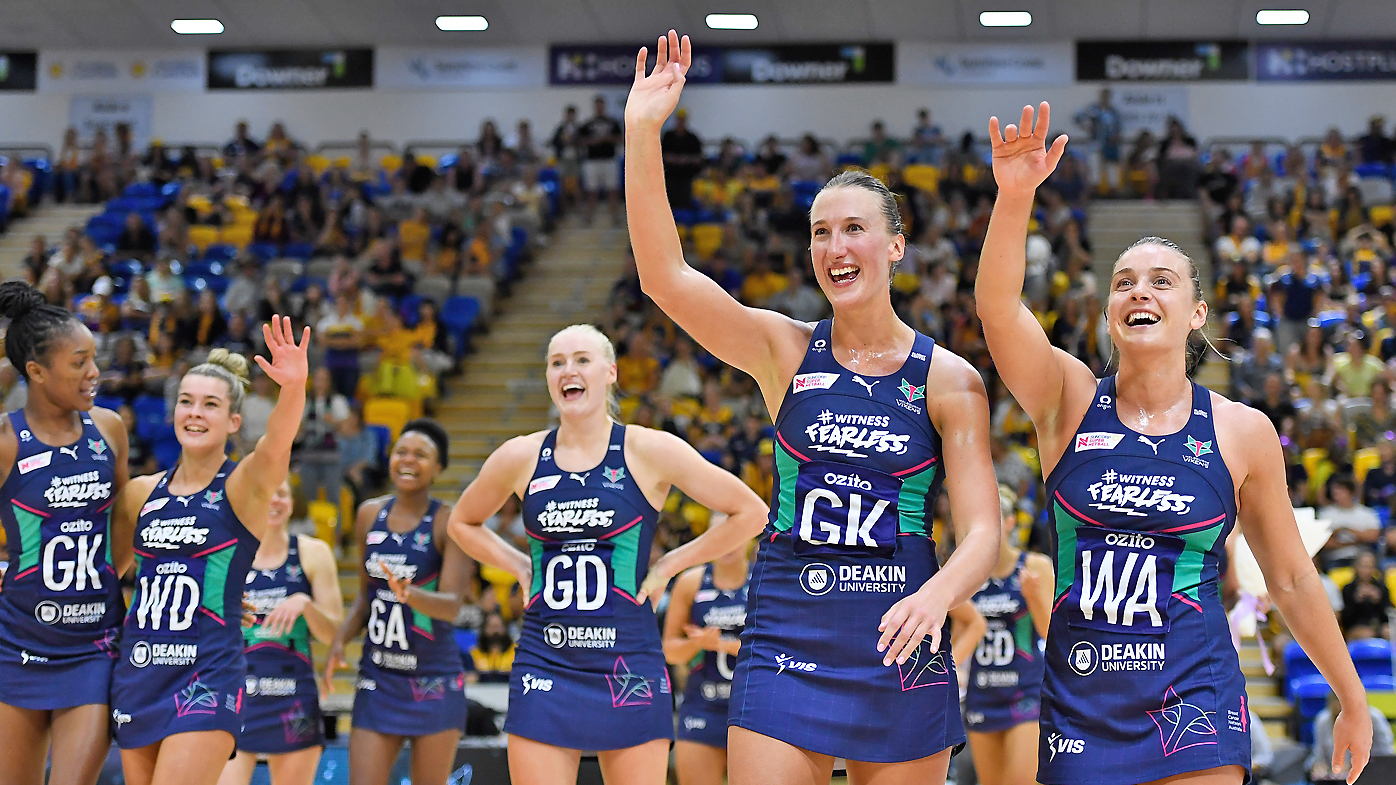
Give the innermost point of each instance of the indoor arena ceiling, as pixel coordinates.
(146, 23)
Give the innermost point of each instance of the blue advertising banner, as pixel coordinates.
(839, 63)
(1311, 61)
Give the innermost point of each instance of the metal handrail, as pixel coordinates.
(20, 148)
(373, 144)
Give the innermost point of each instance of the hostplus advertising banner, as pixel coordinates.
(1305, 61)
(18, 70)
(1162, 61)
(606, 64)
(71, 71)
(921, 63)
(289, 69)
(409, 68)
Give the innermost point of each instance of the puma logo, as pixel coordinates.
(866, 385)
(72, 451)
(1154, 445)
(581, 478)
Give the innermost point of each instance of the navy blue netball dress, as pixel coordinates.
(1142, 680)
(182, 668)
(703, 714)
(281, 710)
(589, 672)
(857, 470)
(1005, 676)
(60, 605)
(411, 678)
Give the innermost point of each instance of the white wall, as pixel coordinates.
(1230, 109)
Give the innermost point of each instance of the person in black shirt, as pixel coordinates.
(770, 157)
(136, 239)
(683, 160)
(416, 176)
(1275, 404)
(1365, 600)
(601, 136)
(1379, 486)
(241, 143)
(1375, 147)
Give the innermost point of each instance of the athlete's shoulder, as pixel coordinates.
(1241, 420)
(1038, 563)
(647, 439)
(949, 373)
(315, 553)
(524, 446)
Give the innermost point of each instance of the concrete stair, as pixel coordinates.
(1263, 693)
(49, 220)
(1115, 225)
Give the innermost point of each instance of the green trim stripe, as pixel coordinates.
(30, 536)
(624, 559)
(1187, 572)
(911, 502)
(1066, 548)
(215, 579)
(1022, 634)
(420, 620)
(787, 470)
(535, 553)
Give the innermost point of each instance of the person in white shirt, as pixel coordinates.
(1355, 527)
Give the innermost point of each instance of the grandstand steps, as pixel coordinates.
(50, 220)
(502, 393)
(1263, 693)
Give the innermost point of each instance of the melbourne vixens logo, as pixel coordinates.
(211, 499)
(98, 448)
(923, 669)
(1181, 724)
(912, 394)
(612, 478)
(1198, 449)
(195, 698)
(627, 687)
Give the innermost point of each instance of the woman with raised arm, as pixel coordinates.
(843, 654)
(293, 588)
(1146, 474)
(64, 461)
(589, 671)
(411, 583)
(177, 694)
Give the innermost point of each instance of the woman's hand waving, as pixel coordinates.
(289, 366)
(653, 98)
(1022, 160)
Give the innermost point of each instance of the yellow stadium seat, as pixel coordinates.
(237, 235)
(1312, 458)
(244, 217)
(390, 412)
(325, 516)
(1382, 214)
(343, 162)
(707, 238)
(1363, 461)
(1342, 576)
(237, 201)
(427, 160)
(1391, 580)
(922, 176)
(390, 163)
(880, 171)
(202, 237)
(201, 204)
(317, 163)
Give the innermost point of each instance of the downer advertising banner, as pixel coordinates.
(19, 70)
(1162, 61)
(1324, 60)
(289, 69)
(583, 64)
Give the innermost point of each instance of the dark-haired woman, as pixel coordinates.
(843, 653)
(411, 581)
(177, 690)
(62, 461)
(1146, 472)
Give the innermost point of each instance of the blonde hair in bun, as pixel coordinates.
(231, 368)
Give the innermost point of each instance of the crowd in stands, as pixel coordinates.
(198, 249)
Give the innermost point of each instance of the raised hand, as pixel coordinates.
(653, 98)
(281, 619)
(289, 366)
(1022, 160)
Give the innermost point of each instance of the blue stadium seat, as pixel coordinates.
(301, 251)
(1297, 666)
(685, 217)
(112, 402)
(1372, 657)
(198, 283)
(264, 251)
(302, 283)
(407, 309)
(166, 453)
(458, 316)
(1310, 697)
(385, 441)
(220, 252)
(1379, 683)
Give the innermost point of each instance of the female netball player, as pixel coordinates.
(843, 653)
(589, 673)
(1002, 704)
(62, 462)
(177, 692)
(411, 584)
(706, 614)
(294, 588)
(1146, 473)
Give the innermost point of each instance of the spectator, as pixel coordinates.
(566, 146)
(1320, 763)
(880, 148)
(1375, 147)
(273, 302)
(683, 160)
(1178, 165)
(140, 459)
(358, 457)
(637, 371)
(67, 168)
(1238, 247)
(1251, 368)
(682, 377)
(1355, 370)
(508, 523)
(97, 310)
(207, 326)
(165, 286)
(802, 300)
(124, 376)
(317, 446)
(271, 225)
(1366, 600)
(1355, 526)
(37, 260)
(241, 145)
(493, 655)
(136, 239)
(601, 136)
(244, 292)
(256, 411)
(238, 339)
(1275, 404)
(927, 140)
(1104, 126)
(769, 157)
(809, 163)
(386, 276)
(343, 335)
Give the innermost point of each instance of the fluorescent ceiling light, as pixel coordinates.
(1005, 19)
(732, 21)
(453, 23)
(197, 26)
(1296, 16)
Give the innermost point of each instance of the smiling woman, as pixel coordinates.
(861, 394)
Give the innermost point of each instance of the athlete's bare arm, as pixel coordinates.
(672, 461)
(325, 611)
(1039, 584)
(126, 512)
(357, 617)
(966, 632)
(1267, 520)
(959, 409)
(766, 344)
(679, 647)
(1042, 378)
(503, 474)
(113, 430)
